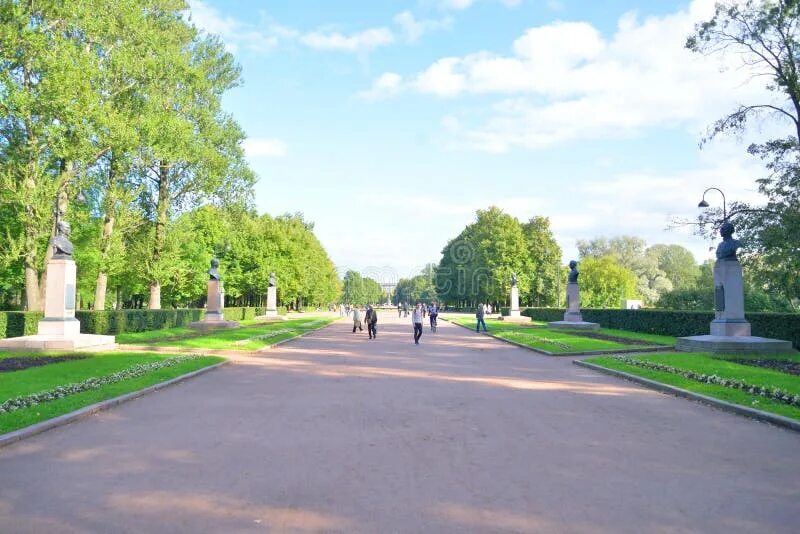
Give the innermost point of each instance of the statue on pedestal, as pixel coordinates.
(213, 272)
(573, 274)
(513, 279)
(272, 281)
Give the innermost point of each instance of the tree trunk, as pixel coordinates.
(161, 229)
(100, 291)
(109, 207)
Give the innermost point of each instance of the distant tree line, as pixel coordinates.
(476, 267)
(358, 290)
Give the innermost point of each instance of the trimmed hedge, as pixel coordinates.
(14, 324)
(677, 323)
(120, 321)
(17, 323)
(241, 314)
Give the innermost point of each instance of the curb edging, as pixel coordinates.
(643, 348)
(737, 409)
(86, 411)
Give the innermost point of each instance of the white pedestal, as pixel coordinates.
(215, 305)
(272, 302)
(514, 314)
(60, 330)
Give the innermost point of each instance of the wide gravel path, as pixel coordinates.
(463, 433)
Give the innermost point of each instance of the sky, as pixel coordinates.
(388, 123)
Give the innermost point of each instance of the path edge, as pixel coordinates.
(738, 409)
(86, 411)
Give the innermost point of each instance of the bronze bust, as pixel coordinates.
(62, 246)
(213, 273)
(726, 251)
(573, 274)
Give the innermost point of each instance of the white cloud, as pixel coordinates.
(386, 85)
(413, 28)
(359, 42)
(464, 4)
(264, 147)
(564, 81)
(234, 33)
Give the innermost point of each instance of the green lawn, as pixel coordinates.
(38, 379)
(558, 341)
(246, 338)
(715, 365)
(149, 336)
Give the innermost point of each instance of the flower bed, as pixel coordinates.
(136, 371)
(774, 393)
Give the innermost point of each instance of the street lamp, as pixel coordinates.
(704, 204)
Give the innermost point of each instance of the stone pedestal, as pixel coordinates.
(271, 313)
(572, 317)
(272, 302)
(729, 300)
(730, 331)
(59, 330)
(215, 304)
(514, 313)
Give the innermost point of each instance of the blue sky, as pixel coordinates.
(388, 123)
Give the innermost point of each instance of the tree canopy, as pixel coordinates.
(764, 35)
(111, 112)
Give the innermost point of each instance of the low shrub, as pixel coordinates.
(17, 323)
(121, 321)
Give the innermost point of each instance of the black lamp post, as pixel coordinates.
(704, 204)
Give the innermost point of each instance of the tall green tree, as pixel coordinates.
(49, 108)
(605, 282)
(545, 262)
(630, 252)
(764, 35)
(677, 263)
(477, 265)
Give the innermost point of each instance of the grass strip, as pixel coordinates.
(734, 396)
(41, 378)
(775, 393)
(537, 337)
(247, 338)
(94, 382)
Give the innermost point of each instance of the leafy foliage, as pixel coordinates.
(764, 34)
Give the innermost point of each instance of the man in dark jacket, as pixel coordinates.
(371, 319)
(479, 315)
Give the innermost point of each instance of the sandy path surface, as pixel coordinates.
(463, 433)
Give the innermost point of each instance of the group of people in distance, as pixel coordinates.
(418, 315)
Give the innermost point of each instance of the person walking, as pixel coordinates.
(416, 318)
(405, 309)
(357, 319)
(399, 309)
(433, 313)
(371, 319)
(479, 315)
